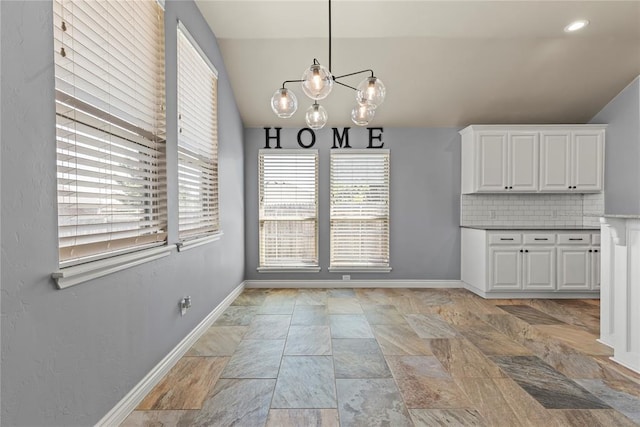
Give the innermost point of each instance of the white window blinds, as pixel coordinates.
(360, 209)
(197, 142)
(110, 127)
(288, 204)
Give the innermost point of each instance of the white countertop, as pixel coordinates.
(623, 216)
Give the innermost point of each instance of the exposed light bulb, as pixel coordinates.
(371, 91)
(316, 116)
(362, 114)
(284, 103)
(317, 82)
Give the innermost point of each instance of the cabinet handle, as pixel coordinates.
(590, 250)
(569, 187)
(503, 238)
(510, 188)
(537, 238)
(526, 250)
(595, 250)
(506, 188)
(575, 239)
(521, 250)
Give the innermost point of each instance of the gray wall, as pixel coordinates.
(622, 151)
(425, 202)
(69, 356)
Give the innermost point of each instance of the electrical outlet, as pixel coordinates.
(492, 215)
(346, 277)
(184, 304)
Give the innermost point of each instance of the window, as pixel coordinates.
(360, 210)
(197, 141)
(110, 127)
(288, 204)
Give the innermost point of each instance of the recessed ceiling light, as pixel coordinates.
(576, 25)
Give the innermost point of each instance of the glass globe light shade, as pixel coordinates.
(371, 91)
(317, 82)
(316, 116)
(284, 103)
(362, 114)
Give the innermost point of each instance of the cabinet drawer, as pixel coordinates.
(505, 239)
(540, 239)
(595, 239)
(574, 239)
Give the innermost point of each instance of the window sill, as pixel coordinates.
(199, 241)
(71, 276)
(288, 269)
(359, 269)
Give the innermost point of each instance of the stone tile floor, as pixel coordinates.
(396, 357)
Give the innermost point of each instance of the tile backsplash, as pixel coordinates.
(593, 209)
(531, 210)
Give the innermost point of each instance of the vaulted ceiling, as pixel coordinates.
(444, 63)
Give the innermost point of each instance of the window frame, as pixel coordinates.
(283, 268)
(85, 110)
(359, 267)
(193, 241)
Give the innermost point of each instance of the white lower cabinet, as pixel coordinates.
(518, 262)
(539, 271)
(505, 271)
(515, 268)
(579, 261)
(574, 268)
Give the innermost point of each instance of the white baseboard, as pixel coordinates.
(532, 294)
(353, 283)
(608, 344)
(121, 411)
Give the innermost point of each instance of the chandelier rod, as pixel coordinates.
(330, 37)
(353, 74)
(290, 81)
(345, 85)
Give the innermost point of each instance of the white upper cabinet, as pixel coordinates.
(492, 161)
(572, 160)
(523, 161)
(540, 158)
(555, 161)
(588, 160)
(501, 161)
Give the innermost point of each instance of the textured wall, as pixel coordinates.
(424, 196)
(622, 151)
(68, 356)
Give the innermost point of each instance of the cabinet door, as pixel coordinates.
(587, 160)
(595, 269)
(574, 266)
(555, 161)
(491, 161)
(538, 268)
(505, 268)
(523, 161)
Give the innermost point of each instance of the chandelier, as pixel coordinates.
(317, 83)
